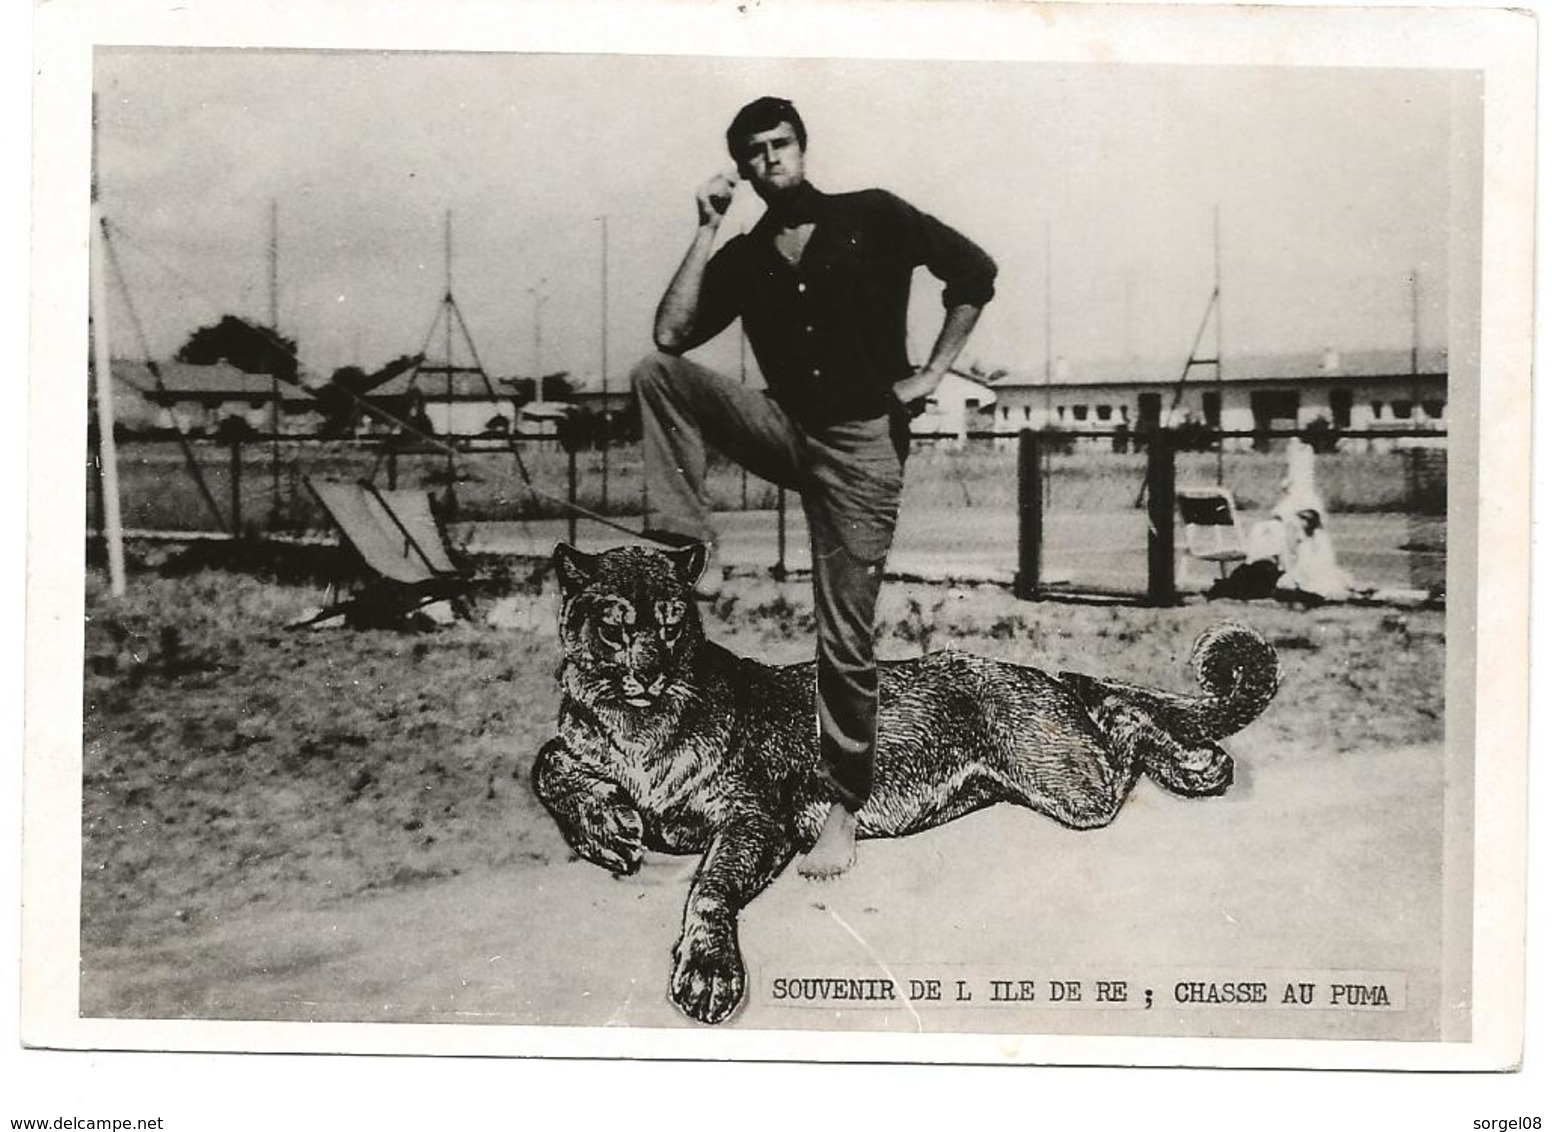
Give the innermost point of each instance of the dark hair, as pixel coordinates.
(764, 114)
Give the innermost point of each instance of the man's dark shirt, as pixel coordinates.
(829, 333)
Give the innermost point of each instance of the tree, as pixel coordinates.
(555, 387)
(337, 398)
(358, 381)
(523, 390)
(234, 428)
(240, 343)
(1193, 435)
(1320, 435)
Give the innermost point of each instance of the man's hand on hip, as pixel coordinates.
(914, 390)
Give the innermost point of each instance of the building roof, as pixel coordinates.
(546, 410)
(466, 386)
(1304, 365)
(183, 381)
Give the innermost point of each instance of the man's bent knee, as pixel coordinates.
(656, 367)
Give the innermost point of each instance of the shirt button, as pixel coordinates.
(802, 287)
(808, 330)
(816, 371)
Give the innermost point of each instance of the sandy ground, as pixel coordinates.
(337, 825)
(1323, 863)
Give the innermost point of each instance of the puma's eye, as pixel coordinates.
(670, 617)
(611, 635)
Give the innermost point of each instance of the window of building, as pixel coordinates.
(1004, 412)
(1434, 409)
(1342, 408)
(1402, 410)
(1027, 414)
(1377, 409)
(1080, 412)
(1061, 412)
(1102, 412)
(1212, 408)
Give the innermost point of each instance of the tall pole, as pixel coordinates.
(102, 365)
(1415, 387)
(603, 348)
(537, 291)
(1048, 323)
(743, 379)
(274, 265)
(447, 340)
(1044, 451)
(1218, 329)
(274, 377)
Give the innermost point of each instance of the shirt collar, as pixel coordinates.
(805, 206)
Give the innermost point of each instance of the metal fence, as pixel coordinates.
(1102, 518)
(520, 496)
(1052, 512)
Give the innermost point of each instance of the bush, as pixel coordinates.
(1320, 435)
(234, 428)
(1054, 440)
(1194, 436)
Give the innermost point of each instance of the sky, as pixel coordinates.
(1095, 187)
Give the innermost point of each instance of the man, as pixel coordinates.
(822, 284)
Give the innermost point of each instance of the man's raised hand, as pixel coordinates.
(714, 197)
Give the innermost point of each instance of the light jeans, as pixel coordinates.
(849, 476)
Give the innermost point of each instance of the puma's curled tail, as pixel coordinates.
(1174, 738)
(1239, 672)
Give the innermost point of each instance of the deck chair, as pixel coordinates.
(400, 558)
(1212, 530)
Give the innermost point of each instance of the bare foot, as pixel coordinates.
(708, 587)
(836, 849)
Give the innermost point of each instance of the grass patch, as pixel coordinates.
(229, 762)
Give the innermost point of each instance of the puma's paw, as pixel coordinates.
(1194, 772)
(611, 838)
(708, 980)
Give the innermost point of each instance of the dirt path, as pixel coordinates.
(1324, 862)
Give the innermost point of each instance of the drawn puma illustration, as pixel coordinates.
(669, 742)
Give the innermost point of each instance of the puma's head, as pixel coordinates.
(627, 622)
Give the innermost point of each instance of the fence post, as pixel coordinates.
(236, 476)
(94, 463)
(571, 494)
(1031, 516)
(393, 461)
(779, 571)
(1161, 518)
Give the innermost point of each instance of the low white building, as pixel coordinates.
(960, 405)
(460, 403)
(1355, 390)
(199, 399)
(542, 418)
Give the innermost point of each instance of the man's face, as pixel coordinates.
(772, 160)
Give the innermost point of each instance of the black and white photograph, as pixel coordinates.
(583, 547)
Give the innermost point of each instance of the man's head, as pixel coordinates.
(767, 140)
